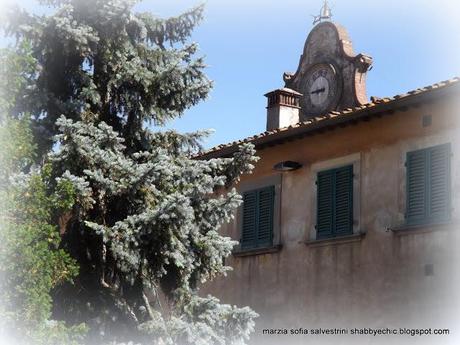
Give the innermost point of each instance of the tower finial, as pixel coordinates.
(324, 14)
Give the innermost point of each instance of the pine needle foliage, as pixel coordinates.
(144, 219)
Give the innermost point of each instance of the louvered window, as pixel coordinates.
(257, 222)
(428, 185)
(335, 202)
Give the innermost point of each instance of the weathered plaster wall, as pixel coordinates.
(379, 281)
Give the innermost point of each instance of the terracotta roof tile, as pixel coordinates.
(375, 102)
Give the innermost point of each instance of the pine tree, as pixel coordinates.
(145, 218)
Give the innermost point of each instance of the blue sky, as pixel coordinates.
(249, 44)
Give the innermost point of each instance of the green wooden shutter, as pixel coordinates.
(249, 231)
(344, 201)
(335, 202)
(265, 222)
(416, 186)
(325, 202)
(439, 183)
(428, 185)
(258, 208)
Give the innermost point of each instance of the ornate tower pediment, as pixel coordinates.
(330, 76)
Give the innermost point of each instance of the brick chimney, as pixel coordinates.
(283, 108)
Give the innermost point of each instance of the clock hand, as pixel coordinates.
(318, 91)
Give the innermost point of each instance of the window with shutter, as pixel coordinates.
(257, 229)
(428, 185)
(335, 202)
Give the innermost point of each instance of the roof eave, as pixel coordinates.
(402, 103)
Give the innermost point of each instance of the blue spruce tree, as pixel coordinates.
(144, 223)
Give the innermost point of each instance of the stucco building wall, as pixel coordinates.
(383, 279)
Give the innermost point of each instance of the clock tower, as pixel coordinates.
(330, 76)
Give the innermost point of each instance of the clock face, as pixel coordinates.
(320, 89)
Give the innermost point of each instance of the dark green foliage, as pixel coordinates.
(31, 262)
(18, 71)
